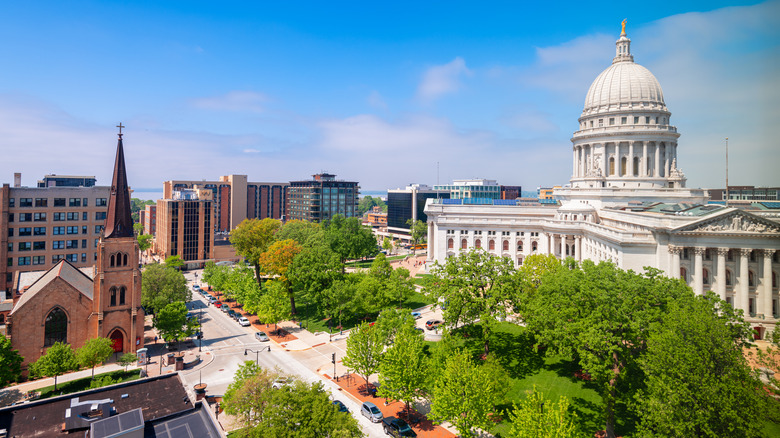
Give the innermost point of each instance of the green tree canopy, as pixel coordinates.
(145, 241)
(276, 261)
(403, 370)
(175, 262)
(248, 394)
(127, 359)
(306, 233)
(215, 275)
(94, 352)
(252, 237)
(391, 321)
(366, 203)
(364, 350)
(274, 304)
(58, 360)
(349, 238)
(537, 417)
(161, 285)
(418, 230)
(465, 394)
(476, 287)
(313, 272)
(10, 362)
(698, 381)
(172, 322)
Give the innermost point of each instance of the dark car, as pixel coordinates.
(433, 324)
(232, 313)
(397, 427)
(340, 406)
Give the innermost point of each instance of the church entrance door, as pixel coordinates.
(118, 341)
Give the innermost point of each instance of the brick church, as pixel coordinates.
(66, 304)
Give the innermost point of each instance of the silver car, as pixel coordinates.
(261, 336)
(370, 411)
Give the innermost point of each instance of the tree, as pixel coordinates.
(10, 362)
(306, 233)
(138, 229)
(305, 410)
(349, 238)
(392, 321)
(145, 241)
(417, 230)
(174, 262)
(366, 203)
(252, 238)
(276, 260)
(313, 272)
(240, 284)
(403, 370)
(215, 275)
(466, 394)
(695, 364)
(387, 245)
(274, 305)
(338, 301)
(94, 352)
(537, 417)
(161, 285)
(127, 359)
(364, 350)
(601, 316)
(476, 287)
(172, 322)
(247, 396)
(58, 360)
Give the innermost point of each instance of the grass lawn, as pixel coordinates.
(420, 279)
(367, 263)
(83, 384)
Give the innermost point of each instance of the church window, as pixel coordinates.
(463, 244)
(122, 295)
(612, 166)
(113, 260)
(492, 245)
(112, 296)
(623, 166)
(450, 244)
(124, 259)
(505, 245)
(56, 327)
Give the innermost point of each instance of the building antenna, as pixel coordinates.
(727, 172)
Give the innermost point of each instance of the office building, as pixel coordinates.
(149, 219)
(321, 198)
(184, 225)
(409, 203)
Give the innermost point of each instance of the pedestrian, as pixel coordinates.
(155, 339)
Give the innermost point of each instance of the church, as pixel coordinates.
(627, 203)
(66, 304)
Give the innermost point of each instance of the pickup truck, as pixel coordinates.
(397, 427)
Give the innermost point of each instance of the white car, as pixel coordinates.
(196, 286)
(261, 336)
(243, 321)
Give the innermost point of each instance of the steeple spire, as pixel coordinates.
(623, 46)
(119, 222)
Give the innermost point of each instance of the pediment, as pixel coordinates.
(731, 221)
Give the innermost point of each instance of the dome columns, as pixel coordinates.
(631, 163)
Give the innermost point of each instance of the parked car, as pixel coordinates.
(217, 304)
(370, 411)
(340, 406)
(225, 308)
(243, 321)
(397, 427)
(281, 382)
(433, 324)
(261, 336)
(416, 315)
(211, 299)
(196, 286)
(233, 314)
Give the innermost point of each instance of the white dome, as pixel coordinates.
(624, 83)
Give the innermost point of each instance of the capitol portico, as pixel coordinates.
(627, 202)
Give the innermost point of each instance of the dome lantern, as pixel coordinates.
(623, 47)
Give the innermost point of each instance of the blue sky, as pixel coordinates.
(377, 93)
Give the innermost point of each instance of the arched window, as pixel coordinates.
(113, 260)
(684, 274)
(611, 166)
(751, 279)
(519, 246)
(463, 244)
(124, 259)
(122, 295)
(623, 165)
(534, 246)
(519, 260)
(478, 243)
(505, 245)
(112, 295)
(450, 244)
(728, 277)
(636, 166)
(56, 327)
(492, 245)
(705, 275)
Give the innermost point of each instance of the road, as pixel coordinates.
(227, 342)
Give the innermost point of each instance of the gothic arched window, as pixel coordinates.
(124, 259)
(122, 295)
(113, 260)
(112, 296)
(56, 327)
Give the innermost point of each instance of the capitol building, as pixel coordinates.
(627, 202)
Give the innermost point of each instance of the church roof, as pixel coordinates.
(63, 270)
(119, 222)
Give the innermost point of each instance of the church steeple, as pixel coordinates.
(119, 222)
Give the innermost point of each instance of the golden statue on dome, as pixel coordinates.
(623, 23)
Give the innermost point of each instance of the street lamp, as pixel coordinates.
(257, 353)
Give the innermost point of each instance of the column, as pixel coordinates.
(675, 262)
(563, 246)
(765, 297)
(643, 164)
(698, 280)
(577, 250)
(721, 274)
(667, 162)
(743, 300)
(550, 244)
(431, 243)
(576, 162)
(630, 159)
(604, 160)
(657, 167)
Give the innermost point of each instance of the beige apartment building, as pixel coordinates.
(184, 225)
(40, 226)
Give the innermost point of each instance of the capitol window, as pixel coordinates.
(601, 122)
(623, 120)
(611, 121)
(636, 120)
(647, 120)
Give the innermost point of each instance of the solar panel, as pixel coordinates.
(772, 205)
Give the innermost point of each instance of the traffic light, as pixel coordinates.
(333, 358)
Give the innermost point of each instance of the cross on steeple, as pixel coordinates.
(120, 126)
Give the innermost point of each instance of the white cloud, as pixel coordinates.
(375, 100)
(442, 79)
(238, 101)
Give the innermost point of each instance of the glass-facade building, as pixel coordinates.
(409, 203)
(321, 198)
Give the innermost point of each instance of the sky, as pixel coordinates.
(383, 93)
